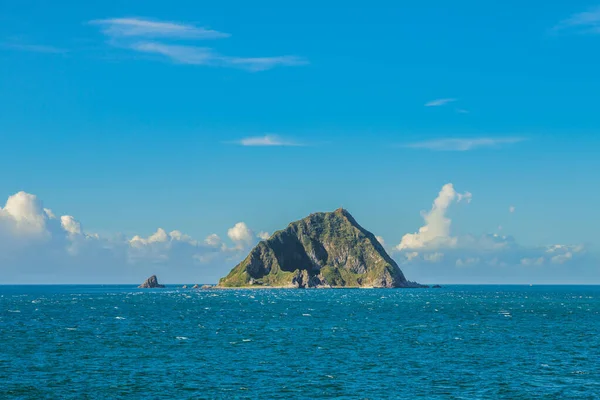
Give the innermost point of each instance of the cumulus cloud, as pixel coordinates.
(240, 234)
(70, 225)
(24, 214)
(434, 252)
(511, 209)
(263, 235)
(36, 246)
(213, 240)
(436, 231)
(380, 240)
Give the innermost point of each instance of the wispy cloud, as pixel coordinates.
(583, 22)
(465, 144)
(34, 48)
(195, 55)
(142, 27)
(267, 140)
(148, 36)
(439, 102)
(264, 63)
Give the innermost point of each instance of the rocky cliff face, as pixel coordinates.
(151, 283)
(321, 250)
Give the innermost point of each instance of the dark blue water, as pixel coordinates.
(99, 342)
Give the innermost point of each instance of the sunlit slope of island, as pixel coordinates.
(322, 250)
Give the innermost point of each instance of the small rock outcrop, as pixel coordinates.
(436, 287)
(207, 287)
(151, 283)
(195, 287)
(184, 287)
(323, 250)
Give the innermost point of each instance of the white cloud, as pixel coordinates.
(195, 55)
(380, 240)
(433, 252)
(262, 63)
(267, 140)
(439, 102)
(263, 235)
(26, 213)
(240, 234)
(436, 231)
(160, 236)
(464, 144)
(583, 22)
(511, 209)
(560, 254)
(141, 27)
(213, 240)
(36, 246)
(532, 261)
(70, 225)
(562, 258)
(150, 37)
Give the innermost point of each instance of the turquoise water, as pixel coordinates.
(98, 342)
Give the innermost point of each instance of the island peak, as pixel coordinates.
(325, 249)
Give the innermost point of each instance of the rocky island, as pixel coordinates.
(323, 250)
(151, 283)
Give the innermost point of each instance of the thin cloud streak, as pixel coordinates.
(464, 144)
(267, 140)
(195, 55)
(144, 36)
(141, 27)
(439, 102)
(583, 22)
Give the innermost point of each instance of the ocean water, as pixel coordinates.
(466, 342)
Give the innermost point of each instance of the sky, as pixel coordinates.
(146, 137)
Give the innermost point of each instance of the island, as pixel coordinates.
(323, 250)
(151, 283)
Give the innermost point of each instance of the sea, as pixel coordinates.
(457, 342)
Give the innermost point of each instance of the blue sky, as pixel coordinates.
(194, 116)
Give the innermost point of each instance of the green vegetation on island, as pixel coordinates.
(322, 250)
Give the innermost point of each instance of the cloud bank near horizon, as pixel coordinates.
(433, 252)
(38, 246)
